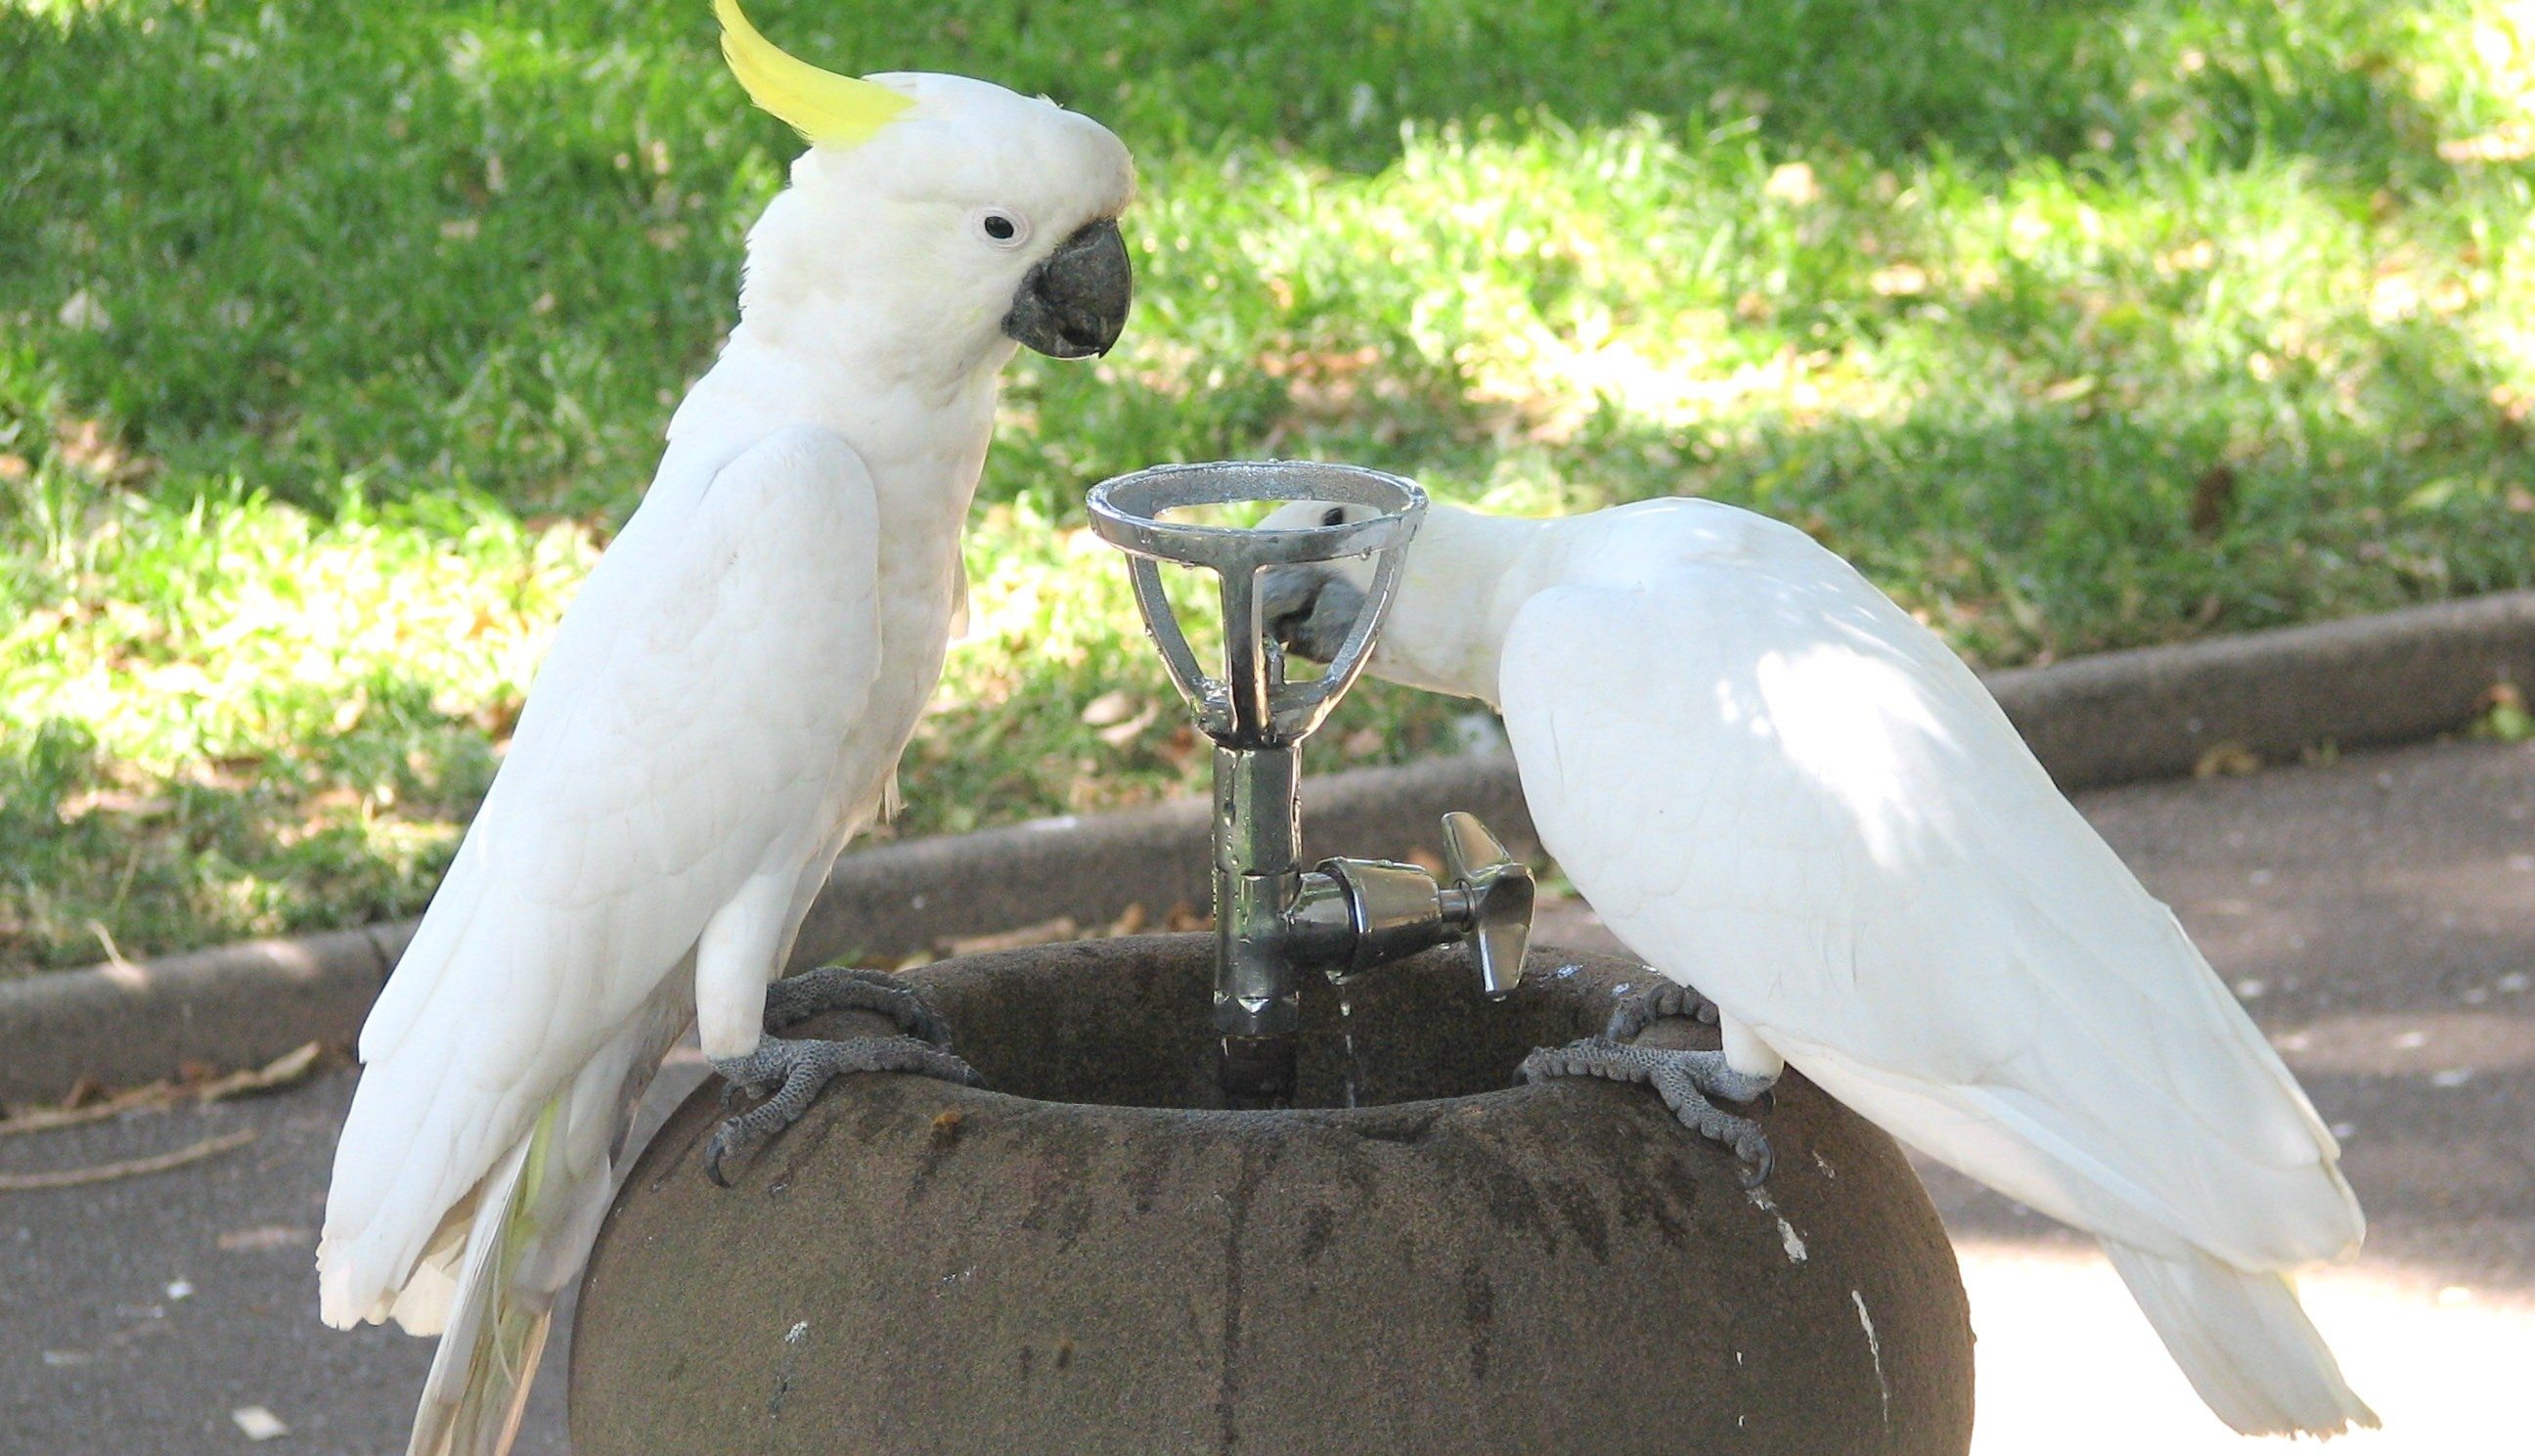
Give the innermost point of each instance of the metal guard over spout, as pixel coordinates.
(1273, 919)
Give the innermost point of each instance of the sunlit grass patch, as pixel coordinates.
(336, 341)
(219, 713)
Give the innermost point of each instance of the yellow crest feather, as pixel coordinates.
(827, 109)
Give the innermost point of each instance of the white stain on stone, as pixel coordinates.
(1824, 1164)
(1875, 1351)
(1788, 1238)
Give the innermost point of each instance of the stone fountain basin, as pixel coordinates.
(1096, 1258)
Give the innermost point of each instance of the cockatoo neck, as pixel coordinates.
(847, 351)
(1465, 581)
(921, 422)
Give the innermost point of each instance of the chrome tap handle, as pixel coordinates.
(1353, 916)
(1490, 902)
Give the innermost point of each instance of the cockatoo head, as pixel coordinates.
(1447, 625)
(1312, 607)
(935, 216)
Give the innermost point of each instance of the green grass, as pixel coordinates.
(336, 338)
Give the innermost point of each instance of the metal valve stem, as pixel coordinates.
(1258, 840)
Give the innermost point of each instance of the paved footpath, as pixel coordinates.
(2377, 914)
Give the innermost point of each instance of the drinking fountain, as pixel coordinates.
(1272, 919)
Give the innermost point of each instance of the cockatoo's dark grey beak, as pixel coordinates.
(1074, 304)
(1309, 609)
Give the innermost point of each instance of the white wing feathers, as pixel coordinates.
(1994, 987)
(683, 740)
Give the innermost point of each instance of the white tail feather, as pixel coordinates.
(496, 1330)
(2246, 1344)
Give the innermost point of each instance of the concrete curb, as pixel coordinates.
(2153, 712)
(123, 1022)
(2093, 721)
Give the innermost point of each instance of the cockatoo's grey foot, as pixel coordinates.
(1686, 1080)
(793, 999)
(1634, 1014)
(797, 1070)
(796, 998)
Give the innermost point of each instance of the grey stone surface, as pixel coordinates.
(1096, 1258)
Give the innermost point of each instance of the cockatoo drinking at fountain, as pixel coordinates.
(723, 705)
(1768, 779)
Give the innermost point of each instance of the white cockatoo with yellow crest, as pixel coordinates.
(1775, 785)
(724, 705)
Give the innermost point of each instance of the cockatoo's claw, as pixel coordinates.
(797, 1070)
(1686, 1080)
(1634, 1014)
(796, 998)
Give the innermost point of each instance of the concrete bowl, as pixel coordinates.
(1096, 1258)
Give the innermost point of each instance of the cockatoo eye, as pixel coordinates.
(1335, 516)
(1002, 227)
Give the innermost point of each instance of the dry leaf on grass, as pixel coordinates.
(264, 1238)
(1119, 735)
(1114, 706)
(2227, 760)
(1045, 933)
